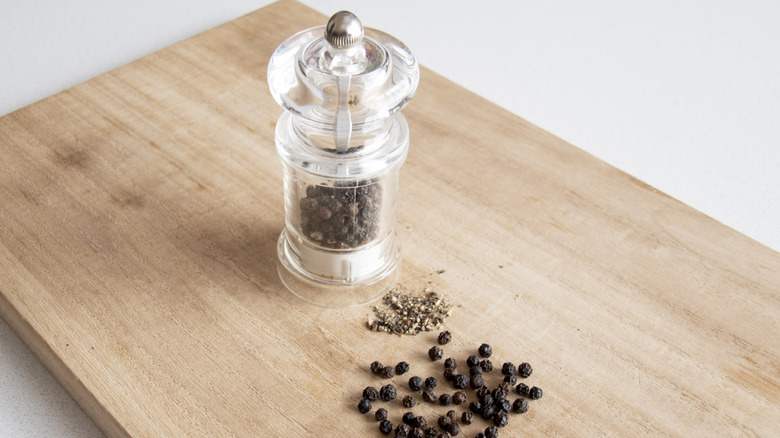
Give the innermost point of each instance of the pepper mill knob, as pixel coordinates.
(344, 30)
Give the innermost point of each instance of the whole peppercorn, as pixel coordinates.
(523, 389)
(444, 421)
(386, 427)
(467, 417)
(431, 382)
(487, 412)
(472, 361)
(491, 432)
(370, 393)
(403, 430)
(408, 418)
(445, 435)
(435, 353)
(475, 406)
(485, 350)
(401, 368)
(415, 383)
(431, 432)
(445, 399)
(376, 367)
(503, 405)
(508, 368)
(483, 392)
(510, 379)
(417, 433)
(477, 382)
(535, 393)
(453, 429)
(420, 422)
(520, 406)
(498, 395)
(409, 401)
(381, 414)
(450, 363)
(524, 370)
(506, 387)
(364, 406)
(461, 381)
(453, 415)
(475, 370)
(459, 397)
(486, 365)
(500, 419)
(387, 393)
(388, 372)
(429, 395)
(479, 435)
(450, 373)
(445, 337)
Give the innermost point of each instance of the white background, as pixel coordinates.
(684, 95)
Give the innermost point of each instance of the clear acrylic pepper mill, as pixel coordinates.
(341, 142)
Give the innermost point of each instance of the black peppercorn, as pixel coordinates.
(486, 365)
(472, 361)
(461, 381)
(491, 432)
(450, 363)
(420, 422)
(403, 430)
(401, 368)
(520, 406)
(385, 427)
(409, 401)
(477, 382)
(508, 368)
(364, 406)
(431, 432)
(445, 337)
(467, 417)
(444, 421)
(459, 397)
(453, 415)
(445, 399)
(417, 433)
(500, 419)
(450, 373)
(485, 350)
(381, 414)
(429, 395)
(487, 412)
(475, 406)
(498, 395)
(476, 369)
(376, 367)
(523, 389)
(524, 370)
(510, 379)
(370, 393)
(445, 435)
(483, 392)
(506, 387)
(535, 393)
(408, 418)
(415, 383)
(431, 382)
(387, 393)
(435, 353)
(503, 405)
(453, 429)
(388, 372)
(479, 435)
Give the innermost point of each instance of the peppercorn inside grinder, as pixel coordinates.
(341, 142)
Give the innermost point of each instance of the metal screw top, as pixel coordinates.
(344, 30)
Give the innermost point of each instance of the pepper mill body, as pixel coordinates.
(341, 153)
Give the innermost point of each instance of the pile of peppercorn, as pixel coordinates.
(492, 405)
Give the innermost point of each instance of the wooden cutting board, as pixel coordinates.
(140, 212)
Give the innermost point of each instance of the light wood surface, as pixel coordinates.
(139, 218)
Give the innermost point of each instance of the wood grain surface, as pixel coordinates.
(140, 212)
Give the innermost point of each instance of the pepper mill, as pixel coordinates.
(342, 141)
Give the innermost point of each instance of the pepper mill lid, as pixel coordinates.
(344, 30)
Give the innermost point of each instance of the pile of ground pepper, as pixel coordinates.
(403, 313)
